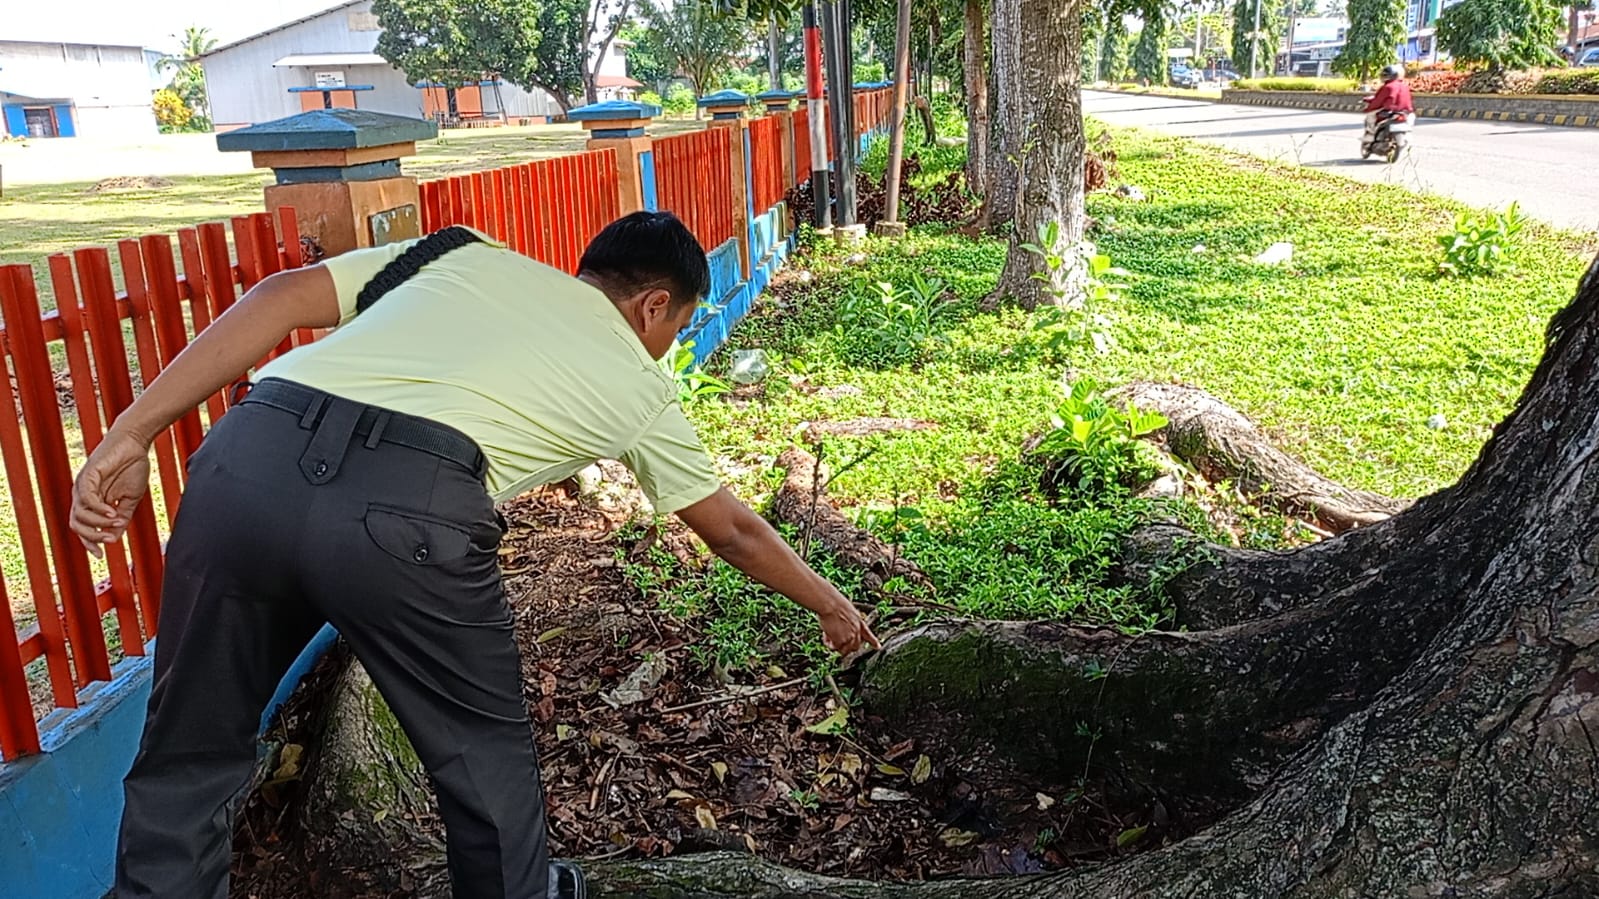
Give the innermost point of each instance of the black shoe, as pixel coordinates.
(566, 881)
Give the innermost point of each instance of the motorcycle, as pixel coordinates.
(1387, 134)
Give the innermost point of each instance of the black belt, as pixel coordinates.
(375, 425)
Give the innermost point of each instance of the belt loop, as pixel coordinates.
(376, 434)
(240, 389)
(329, 442)
(312, 411)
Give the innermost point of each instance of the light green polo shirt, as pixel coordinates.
(536, 366)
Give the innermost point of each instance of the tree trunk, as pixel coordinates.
(368, 800)
(1005, 126)
(976, 99)
(1049, 145)
(774, 44)
(1463, 763)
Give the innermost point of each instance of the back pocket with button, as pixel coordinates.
(416, 537)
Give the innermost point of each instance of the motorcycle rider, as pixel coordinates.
(1390, 100)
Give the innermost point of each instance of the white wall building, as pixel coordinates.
(329, 60)
(63, 89)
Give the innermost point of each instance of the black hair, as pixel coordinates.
(647, 249)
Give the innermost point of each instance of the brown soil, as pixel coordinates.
(130, 183)
(690, 767)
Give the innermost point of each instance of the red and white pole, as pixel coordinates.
(820, 189)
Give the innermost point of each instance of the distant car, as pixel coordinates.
(1589, 57)
(1183, 76)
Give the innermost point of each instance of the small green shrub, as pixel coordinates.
(885, 326)
(1334, 85)
(679, 101)
(651, 98)
(1569, 81)
(1481, 245)
(1094, 444)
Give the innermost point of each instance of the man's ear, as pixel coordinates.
(656, 305)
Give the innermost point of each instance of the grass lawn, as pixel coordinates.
(1342, 356)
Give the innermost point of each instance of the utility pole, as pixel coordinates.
(822, 215)
(902, 75)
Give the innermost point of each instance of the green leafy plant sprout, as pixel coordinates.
(1481, 245)
(890, 325)
(1083, 283)
(693, 383)
(1095, 442)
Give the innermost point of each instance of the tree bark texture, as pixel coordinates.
(1457, 759)
(1005, 127)
(1223, 444)
(368, 799)
(1049, 149)
(977, 137)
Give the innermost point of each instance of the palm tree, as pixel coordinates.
(188, 78)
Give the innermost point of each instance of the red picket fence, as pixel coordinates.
(163, 310)
(692, 173)
(802, 146)
(766, 162)
(548, 210)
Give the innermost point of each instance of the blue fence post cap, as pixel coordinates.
(614, 111)
(776, 101)
(725, 104)
(328, 129)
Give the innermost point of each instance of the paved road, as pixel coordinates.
(1553, 172)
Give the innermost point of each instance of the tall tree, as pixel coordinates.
(1376, 29)
(1501, 34)
(700, 41)
(457, 41)
(1113, 52)
(1006, 124)
(975, 47)
(1251, 49)
(575, 36)
(643, 63)
(188, 76)
(1049, 147)
(1149, 53)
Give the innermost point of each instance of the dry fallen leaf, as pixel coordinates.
(881, 795)
(832, 724)
(679, 794)
(849, 763)
(890, 770)
(706, 819)
(551, 634)
(720, 770)
(1044, 802)
(922, 771)
(953, 838)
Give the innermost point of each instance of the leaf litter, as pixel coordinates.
(646, 754)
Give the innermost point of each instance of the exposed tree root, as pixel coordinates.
(1223, 444)
(802, 502)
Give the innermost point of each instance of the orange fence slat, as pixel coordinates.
(116, 389)
(83, 378)
(47, 442)
(30, 529)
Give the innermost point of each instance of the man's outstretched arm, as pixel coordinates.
(117, 475)
(747, 542)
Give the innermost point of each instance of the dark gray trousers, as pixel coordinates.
(293, 520)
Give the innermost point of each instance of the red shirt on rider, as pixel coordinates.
(1393, 96)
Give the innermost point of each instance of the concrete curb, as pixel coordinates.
(1565, 112)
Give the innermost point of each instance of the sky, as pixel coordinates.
(149, 23)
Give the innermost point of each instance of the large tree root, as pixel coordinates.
(802, 502)
(1223, 444)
